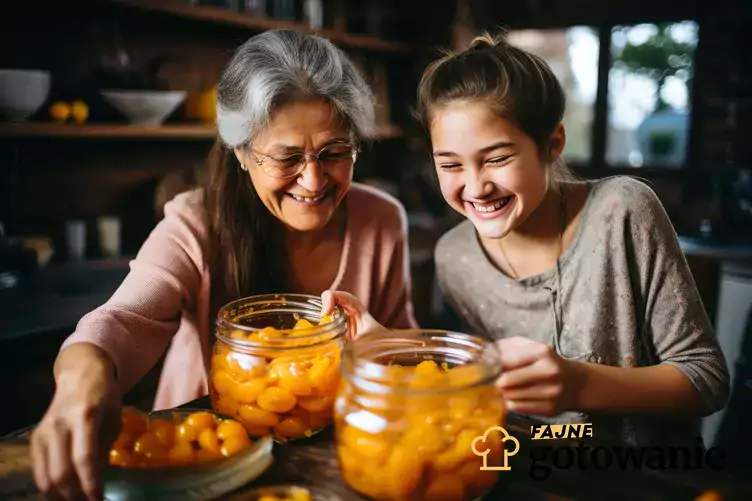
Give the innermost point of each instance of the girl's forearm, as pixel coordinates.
(660, 389)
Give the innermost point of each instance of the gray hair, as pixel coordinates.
(281, 65)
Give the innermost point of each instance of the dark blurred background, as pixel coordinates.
(112, 115)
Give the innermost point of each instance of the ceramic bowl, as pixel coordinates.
(145, 107)
(22, 92)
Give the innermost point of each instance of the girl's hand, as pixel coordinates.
(360, 320)
(535, 380)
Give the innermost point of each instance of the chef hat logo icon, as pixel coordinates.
(480, 448)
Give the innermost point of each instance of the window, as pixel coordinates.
(572, 54)
(649, 88)
(641, 118)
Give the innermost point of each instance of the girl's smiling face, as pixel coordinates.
(488, 169)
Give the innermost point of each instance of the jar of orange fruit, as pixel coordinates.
(275, 364)
(417, 415)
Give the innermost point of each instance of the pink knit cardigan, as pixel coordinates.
(164, 301)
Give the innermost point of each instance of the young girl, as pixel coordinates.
(582, 283)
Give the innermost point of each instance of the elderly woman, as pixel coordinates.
(279, 213)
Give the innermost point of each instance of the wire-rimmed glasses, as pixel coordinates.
(332, 156)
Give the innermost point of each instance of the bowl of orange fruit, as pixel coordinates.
(186, 454)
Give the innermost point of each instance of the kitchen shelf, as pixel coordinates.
(188, 132)
(228, 17)
(106, 131)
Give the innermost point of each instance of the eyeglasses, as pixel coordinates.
(330, 157)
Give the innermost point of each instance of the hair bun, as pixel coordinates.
(488, 40)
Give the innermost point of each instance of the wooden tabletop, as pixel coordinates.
(313, 462)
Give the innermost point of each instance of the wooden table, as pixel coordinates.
(313, 462)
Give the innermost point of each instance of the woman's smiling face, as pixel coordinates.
(307, 200)
(489, 170)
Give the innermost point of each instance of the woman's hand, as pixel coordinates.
(360, 320)
(535, 380)
(71, 443)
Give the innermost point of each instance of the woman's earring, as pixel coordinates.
(242, 166)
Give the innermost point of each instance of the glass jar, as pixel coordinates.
(275, 364)
(413, 414)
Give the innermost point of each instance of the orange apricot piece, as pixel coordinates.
(294, 381)
(300, 494)
(248, 392)
(316, 404)
(424, 438)
(427, 367)
(302, 324)
(362, 483)
(235, 370)
(268, 333)
(277, 399)
(119, 456)
(291, 427)
(463, 443)
(230, 428)
(186, 432)
(349, 459)
(331, 384)
(223, 382)
(251, 365)
(227, 406)
(148, 444)
(320, 371)
(447, 461)
(182, 453)
(134, 422)
(464, 375)
(286, 360)
(366, 444)
(208, 440)
(256, 416)
(319, 420)
(202, 419)
(238, 334)
(234, 444)
(164, 430)
(124, 441)
(408, 465)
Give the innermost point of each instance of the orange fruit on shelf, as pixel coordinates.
(79, 111)
(60, 111)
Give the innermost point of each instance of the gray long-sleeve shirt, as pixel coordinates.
(627, 298)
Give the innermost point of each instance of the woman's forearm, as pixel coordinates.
(658, 389)
(82, 361)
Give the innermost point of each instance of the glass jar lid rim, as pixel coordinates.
(290, 299)
(361, 370)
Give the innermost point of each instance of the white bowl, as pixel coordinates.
(22, 92)
(145, 107)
